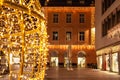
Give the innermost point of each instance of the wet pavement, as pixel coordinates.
(80, 74)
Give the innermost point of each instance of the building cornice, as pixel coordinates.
(79, 9)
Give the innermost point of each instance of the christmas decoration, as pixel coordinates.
(23, 38)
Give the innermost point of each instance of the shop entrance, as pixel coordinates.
(81, 59)
(54, 59)
(115, 62)
(99, 61)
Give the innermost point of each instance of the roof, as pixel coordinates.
(73, 3)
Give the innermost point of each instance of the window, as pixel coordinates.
(113, 19)
(55, 35)
(69, 1)
(104, 28)
(118, 16)
(82, 1)
(106, 4)
(82, 18)
(55, 18)
(81, 36)
(103, 32)
(68, 18)
(103, 7)
(68, 36)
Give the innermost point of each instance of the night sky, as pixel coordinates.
(64, 3)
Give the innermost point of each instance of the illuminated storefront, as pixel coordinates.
(81, 61)
(115, 62)
(99, 62)
(107, 62)
(54, 61)
(79, 55)
(111, 60)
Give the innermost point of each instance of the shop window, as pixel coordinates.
(107, 62)
(115, 62)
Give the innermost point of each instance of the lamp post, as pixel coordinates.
(69, 67)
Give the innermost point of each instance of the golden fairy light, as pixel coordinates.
(23, 38)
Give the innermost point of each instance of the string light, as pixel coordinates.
(22, 37)
(114, 32)
(108, 50)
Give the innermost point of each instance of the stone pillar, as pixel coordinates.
(110, 57)
(103, 62)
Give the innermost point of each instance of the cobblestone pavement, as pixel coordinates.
(76, 74)
(80, 74)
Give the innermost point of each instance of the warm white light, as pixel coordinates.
(11, 56)
(114, 32)
(22, 39)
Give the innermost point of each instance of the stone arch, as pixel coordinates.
(81, 59)
(54, 53)
(81, 54)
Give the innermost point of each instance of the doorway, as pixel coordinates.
(81, 59)
(54, 59)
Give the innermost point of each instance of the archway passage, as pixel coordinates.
(54, 59)
(81, 59)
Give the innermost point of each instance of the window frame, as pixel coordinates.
(68, 35)
(68, 18)
(55, 18)
(55, 36)
(82, 18)
(82, 36)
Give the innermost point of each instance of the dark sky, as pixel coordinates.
(63, 3)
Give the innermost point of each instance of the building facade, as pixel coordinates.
(108, 34)
(71, 33)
